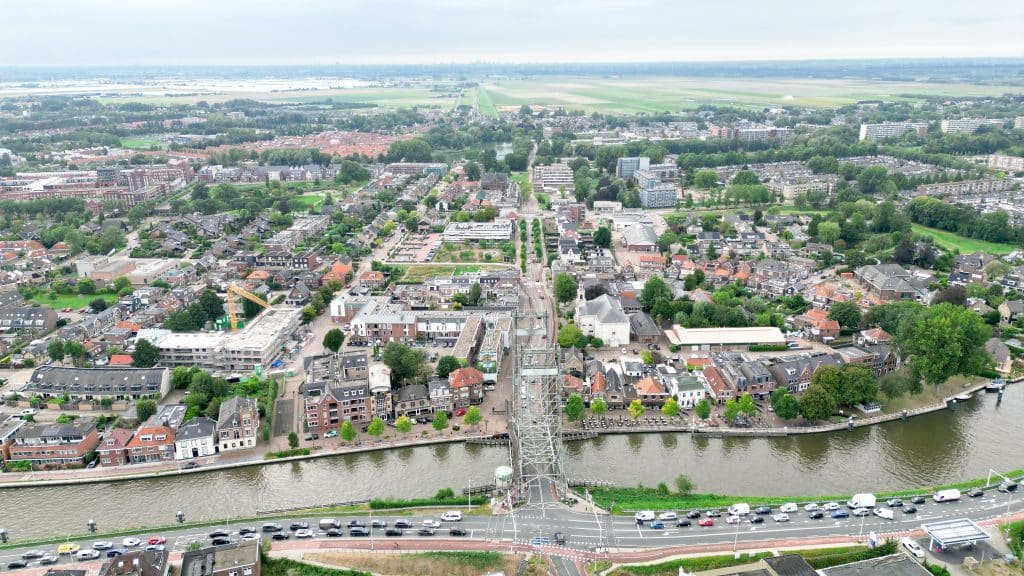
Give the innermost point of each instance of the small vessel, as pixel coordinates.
(962, 397)
(995, 385)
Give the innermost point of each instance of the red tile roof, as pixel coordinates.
(121, 360)
(464, 377)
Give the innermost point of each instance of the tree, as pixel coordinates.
(145, 354)
(829, 232)
(122, 283)
(598, 407)
(55, 350)
(574, 409)
(705, 179)
(703, 409)
(98, 304)
(348, 431)
(565, 287)
(654, 288)
(636, 409)
(785, 405)
(405, 363)
(334, 339)
(76, 350)
(647, 357)
(472, 171)
(670, 408)
(293, 440)
(568, 335)
(683, 484)
(376, 427)
(475, 291)
(250, 309)
(144, 409)
(846, 313)
(472, 417)
(403, 424)
(86, 286)
(603, 237)
(859, 384)
(440, 420)
(944, 341)
(746, 405)
(817, 403)
(732, 409)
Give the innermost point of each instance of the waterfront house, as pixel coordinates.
(196, 439)
(237, 424)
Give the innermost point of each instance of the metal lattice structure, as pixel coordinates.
(537, 418)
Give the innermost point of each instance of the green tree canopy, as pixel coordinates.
(440, 420)
(654, 288)
(746, 405)
(568, 335)
(348, 431)
(405, 363)
(705, 179)
(376, 427)
(574, 409)
(636, 409)
(846, 313)
(333, 339)
(670, 408)
(817, 403)
(145, 354)
(472, 417)
(403, 424)
(144, 409)
(565, 287)
(446, 365)
(785, 405)
(703, 409)
(598, 407)
(603, 237)
(946, 340)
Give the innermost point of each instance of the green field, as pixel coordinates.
(384, 97)
(484, 104)
(952, 241)
(420, 272)
(143, 143)
(74, 301)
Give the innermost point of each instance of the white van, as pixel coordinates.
(861, 501)
(644, 516)
(951, 495)
(739, 509)
(886, 513)
(451, 516)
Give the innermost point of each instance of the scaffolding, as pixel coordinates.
(536, 413)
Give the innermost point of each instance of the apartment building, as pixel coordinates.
(240, 558)
(498, 230)
(553, 178)
(659, 196)
(256, 345)
(153, 442)
(93, 384)
(885, 130)
(1006, 163)
(966, 187)
(626, 167)
(329, 398)
(969, 125)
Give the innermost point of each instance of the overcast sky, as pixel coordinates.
(142, 32)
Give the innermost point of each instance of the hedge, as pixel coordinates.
(767, 348)
(824, 560)
(287, 453)
(689, 564)
(386, 504)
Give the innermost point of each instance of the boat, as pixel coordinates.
(996, 385)
(962, 397)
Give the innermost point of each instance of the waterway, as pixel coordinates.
(927, 450)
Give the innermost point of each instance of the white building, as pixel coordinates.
(1006, 163)
(891, 130)
(499, 230)
(659, 196)
(969, 125)
(258, 344)
(196, 439)
(603, 318)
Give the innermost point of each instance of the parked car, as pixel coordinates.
(220, 542)
(219, 534)
(657, 525)
(359, 531)
(716, 513)
(393, 532)
(732, 520)
(378, 524)
(334, 532)
(861, 512)
(298, 526)
(87, 554)
(425, 532)
(781, 517)
(356, 524)
(667, 516)
(33, 554)
(831, 506)
(430, 523)
(402, 524)
(811, 507)
(894, 503)
(788, 507)
(693, 514)
(456, 532)
(115, 553)
(50, 559)
(16, 564)
(756, 519)
(560, 538)
(840, 513)
(272, 527)
(909, 509)
(913, 547)
(918, 500)
(102, 545)
(247, 530)
(451, 516)
(706, 522)
(644, 516)
(303, 533)
(975, 492)
(249, 537)
(155, 547)
(816, 515)
(131, 542)
(280, 536)
(763, 510)
(680, 523)
(156, 540)
(68, 548)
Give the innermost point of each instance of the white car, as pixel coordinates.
(788, 507)
(829, 507)
(87, 555)
(451, 516)
(668, 516)
(913, 547)
(732, 520)
(644, 516)
(861, 512)
(781, 517)
(131, 542)
(102, 545)
(304, 533)
(431, 524)
(250, 536)
(28, 412)
(812, 507)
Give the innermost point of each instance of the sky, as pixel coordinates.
(325, 32)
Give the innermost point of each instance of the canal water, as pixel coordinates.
(931, 449)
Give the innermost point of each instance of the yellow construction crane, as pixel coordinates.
(233, 291)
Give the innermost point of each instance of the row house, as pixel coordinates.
(744, 374)
(237, 424)
(794, 372)
(467, 387)
(113, 450)
(46, 445)
(152, 442)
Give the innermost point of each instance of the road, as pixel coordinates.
(587, 532)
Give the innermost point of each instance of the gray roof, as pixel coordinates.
(56, 380)
(230, 410)
(893, 565)
(412, 392)
(606, 309)
(201, 427)
(203, 562)
(790, 565)
(642, 324)
(76, 428)
(640, 234)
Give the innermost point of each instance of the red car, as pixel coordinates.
(460, 412)
(156, 540)
(707, 522)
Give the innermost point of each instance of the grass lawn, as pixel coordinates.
(423, 563)
(930, 394)
(307, 201)
(74, 301)
(952, 241)
(143, 143)
(484, 103)
(701, 563)
(420, 272)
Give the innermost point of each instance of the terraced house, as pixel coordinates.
(55, 445)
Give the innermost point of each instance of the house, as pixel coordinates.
(687, 389)
(604, 318)
(339, 272)
(95, 384)
(28, 319)
(1010, 311)
(237, 424)
(718, 388)
(241, 558)
(371, 280)
(1000, 353)
(794, 372)
(412, 400)
(440, 392)
(153, 442)
(336, 389)
(196, 439)
(47, 445)
(572, 361)
(113, 450)
(651, 391)
(120, 360)
(467, 387)
(643, 328)
(138, 563)
(298, 296)
(889, 283)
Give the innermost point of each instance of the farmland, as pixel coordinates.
(484, 103)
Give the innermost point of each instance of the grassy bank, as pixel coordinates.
(671, 567)
(465, 563)
(640, 498)
(288, 567)
(953, 241)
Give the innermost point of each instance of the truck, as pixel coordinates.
(951, 495)
(861, 501)
(739, 509)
